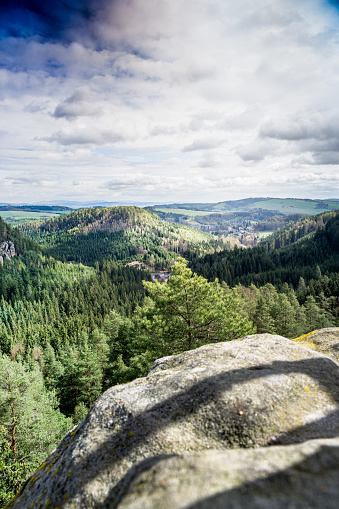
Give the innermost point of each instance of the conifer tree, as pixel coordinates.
(30, 421)
(188, 311)
(89, 375)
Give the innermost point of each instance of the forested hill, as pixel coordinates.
(264, 264)
(298, 230)
(124, 234)
(21, 243)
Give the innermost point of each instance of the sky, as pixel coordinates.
(168, 100)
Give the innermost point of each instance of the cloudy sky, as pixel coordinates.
(168, 100)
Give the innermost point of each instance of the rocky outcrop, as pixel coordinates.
(259, 391)
(299, 476)
(325, 341)
(7, 251)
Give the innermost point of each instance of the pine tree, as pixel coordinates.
(89, 376)
(32, 422)
(262, 319)
(188, 311)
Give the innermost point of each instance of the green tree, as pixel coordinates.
(90, 376)
(262, 318)
(188, 311)
(31, 424)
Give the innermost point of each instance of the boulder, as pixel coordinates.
(292, 476)
(258, 391)
(325, 341)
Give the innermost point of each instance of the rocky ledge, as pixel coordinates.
(7, 251)
(194, 433)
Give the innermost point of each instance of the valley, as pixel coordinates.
(91, 297)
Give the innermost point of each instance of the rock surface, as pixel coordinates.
(7, 251)
(299, 476)
(261, 390)
(325, 341)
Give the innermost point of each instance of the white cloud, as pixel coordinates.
(189, 90)
(202, 144)
(82, 103)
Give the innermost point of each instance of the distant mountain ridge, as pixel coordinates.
(284, 205)
(34, 208)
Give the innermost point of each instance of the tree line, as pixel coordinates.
(69, 331)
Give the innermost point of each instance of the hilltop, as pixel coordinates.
(124, 234)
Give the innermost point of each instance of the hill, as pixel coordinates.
(293, 252)
(22, 244)
(283, 205)
(123, 234)
(248, 220)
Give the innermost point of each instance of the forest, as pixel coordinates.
(77, 317)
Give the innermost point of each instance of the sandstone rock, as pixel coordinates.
(293, 476)
(258, 391)
(325, 341)
(7, 251)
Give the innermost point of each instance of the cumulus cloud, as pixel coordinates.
(85, 136)
(36, 106)
(82, 103)
(312, 135)
(203, 144)
(190, 89)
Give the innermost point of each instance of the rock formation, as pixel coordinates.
(325, 341)
(301, 476)
(174, 429)
(7, 251)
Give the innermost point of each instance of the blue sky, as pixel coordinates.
(165, 100)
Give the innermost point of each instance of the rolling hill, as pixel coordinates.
(282, 205)
(124, 234)
(305, 249)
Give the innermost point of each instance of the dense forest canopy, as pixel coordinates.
(286, 256)
(76, 316)
(123, 234)
(22, 243)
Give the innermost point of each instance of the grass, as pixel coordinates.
(185, 212)
(292, 206)
(262, 235)
(17, 217)
(283, 205)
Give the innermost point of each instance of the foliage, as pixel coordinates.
(188, 311)
(122, 234)
(45, 301)
(268, 264)
(22, 244)
(31, 424)
(70, 331)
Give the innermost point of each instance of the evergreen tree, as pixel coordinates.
(262, 319)
(30, 421)
(188, 311)
(89, 376)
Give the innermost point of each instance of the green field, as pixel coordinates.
(292, 206)
(262, 235)
(184, 212)
(282, 205)
(17, 217)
